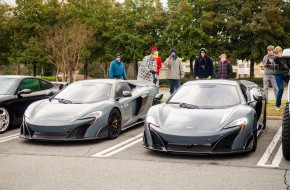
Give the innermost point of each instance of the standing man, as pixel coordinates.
(269, 63)
(203, 67)
(175, 70)
(147, 69)
(224, 69)
(281, 74)
(117, 69)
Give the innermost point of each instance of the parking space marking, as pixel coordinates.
(10, 137)
(119, 147)
(266, 156)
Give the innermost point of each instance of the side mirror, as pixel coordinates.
(24, 91)
(127, 94)
(258, 97)
(158, 96)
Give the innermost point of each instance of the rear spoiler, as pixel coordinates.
(60, 85)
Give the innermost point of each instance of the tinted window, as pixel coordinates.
(8, 86)
(45, 85)
(32, 84)
(120, 88)
(208, 95)
(83, 93)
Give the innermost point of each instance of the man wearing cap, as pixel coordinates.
(203, 66)
(147, 69)
(224, 69)
(117, 69)
(174, 70)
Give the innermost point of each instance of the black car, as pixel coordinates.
(17, 93)
(207, 117)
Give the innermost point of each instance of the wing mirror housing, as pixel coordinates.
(24, 91)
(127, 94)
(49, 93)
(258, 97)
(158, 96)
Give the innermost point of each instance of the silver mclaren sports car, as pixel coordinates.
(208, 117)
(90, 109)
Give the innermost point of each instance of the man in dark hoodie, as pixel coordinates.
(203, 67)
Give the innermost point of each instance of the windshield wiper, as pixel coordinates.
(61, 100)
(188, 106)
(174, 103)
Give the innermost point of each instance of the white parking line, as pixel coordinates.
(4, 139)
(119, 147)
(266, 156)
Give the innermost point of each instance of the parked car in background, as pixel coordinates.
(286, 115)
(17, 93)
(208, 117)
(89, 109)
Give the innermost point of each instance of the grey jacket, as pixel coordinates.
(175, 68)
(269, 63)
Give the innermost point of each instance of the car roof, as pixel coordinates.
(16, 76)
(212, 81)
(107, 81)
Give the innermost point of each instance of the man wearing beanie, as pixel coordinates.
(203, 67)
(147, 69)
(174, 70)
(117, 69)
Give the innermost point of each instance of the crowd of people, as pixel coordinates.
(276, 70)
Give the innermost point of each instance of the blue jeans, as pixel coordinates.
(279, 80)
(174, 84)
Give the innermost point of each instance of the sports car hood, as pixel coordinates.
(57, 113)
(194, 121)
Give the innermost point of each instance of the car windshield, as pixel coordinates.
(8, 86)
(85, 93)
(207, 95)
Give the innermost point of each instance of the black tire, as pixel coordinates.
(286, 132)
(114, 124)
(5, 119)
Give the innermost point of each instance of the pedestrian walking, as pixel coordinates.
(203, 66)
(117, 69)
(174, 70)
(281, 70)
(269, 78)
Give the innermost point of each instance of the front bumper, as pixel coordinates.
(220, 144)
(77, 132)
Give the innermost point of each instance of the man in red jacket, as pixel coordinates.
(158, 65)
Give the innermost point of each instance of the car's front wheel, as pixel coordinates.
(114, 124)
(286, 132)
(5, 119)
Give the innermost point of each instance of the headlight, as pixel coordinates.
(151, 121)
(242, 122)
(94, 115)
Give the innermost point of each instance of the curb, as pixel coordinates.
(274, 117)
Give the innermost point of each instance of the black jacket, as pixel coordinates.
(224, 70)
(203, 68)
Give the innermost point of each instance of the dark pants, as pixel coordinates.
(174, 84)
(279, 80)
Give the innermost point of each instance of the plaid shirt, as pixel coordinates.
(148, 64)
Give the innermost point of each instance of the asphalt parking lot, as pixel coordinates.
(124, 164)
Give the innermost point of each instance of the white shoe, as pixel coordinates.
(277, 108)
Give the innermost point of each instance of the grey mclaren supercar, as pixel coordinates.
(89, 109)
(207, 117)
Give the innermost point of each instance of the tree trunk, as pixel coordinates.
(86, 71)
(252, 69)
(191, 65)
(34, 69)
(135, 69)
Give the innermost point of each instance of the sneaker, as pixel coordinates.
(277, 108)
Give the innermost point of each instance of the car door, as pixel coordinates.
(258, 104)
(127, 103)
(24, 100)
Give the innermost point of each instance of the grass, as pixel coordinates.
(271, 111)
